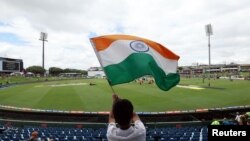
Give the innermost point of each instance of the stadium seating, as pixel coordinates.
(197, 133)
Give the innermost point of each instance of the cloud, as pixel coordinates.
(179, 25)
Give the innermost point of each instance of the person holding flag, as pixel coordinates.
(122, 113)
(125, 58)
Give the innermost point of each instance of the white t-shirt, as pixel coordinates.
(133, 133)
(237, 118)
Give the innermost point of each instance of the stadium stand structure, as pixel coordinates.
(173, 126)
(194, 133)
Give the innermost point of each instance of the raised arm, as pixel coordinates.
(135, 117)
(111, 115)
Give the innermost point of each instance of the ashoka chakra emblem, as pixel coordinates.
(139, 46)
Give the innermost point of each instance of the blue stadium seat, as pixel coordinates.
(91, 134)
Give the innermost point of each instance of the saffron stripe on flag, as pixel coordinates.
(103, 42)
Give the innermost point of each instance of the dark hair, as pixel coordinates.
(123, 111)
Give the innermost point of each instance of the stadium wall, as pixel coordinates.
(102, 117)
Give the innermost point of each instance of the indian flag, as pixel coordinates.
(125, 58)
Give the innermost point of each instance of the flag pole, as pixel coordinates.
(99, 59)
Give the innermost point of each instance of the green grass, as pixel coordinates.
(146, 97)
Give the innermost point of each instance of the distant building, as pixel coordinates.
(96, 72)
(213, 69)
(10, 65)
(245, 67)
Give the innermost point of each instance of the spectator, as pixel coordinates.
(237, 117)
(8, 124)
(248, 121)
(229, 122)
(215, 122)
(34, 136)
(225, 121)
(122, 114)
(243, 119)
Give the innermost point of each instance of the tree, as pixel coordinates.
(180, 69)
(84, 72)
(54, 71)
(68, 70)
(36, 70)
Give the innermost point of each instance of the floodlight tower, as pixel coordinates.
(43, 37)
(209, 32)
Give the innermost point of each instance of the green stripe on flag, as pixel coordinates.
(137, 65)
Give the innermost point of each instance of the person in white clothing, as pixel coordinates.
(122, 114)
(237, 117)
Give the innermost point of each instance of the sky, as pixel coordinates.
(179, 25)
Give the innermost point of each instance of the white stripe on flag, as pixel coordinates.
(120, 50)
